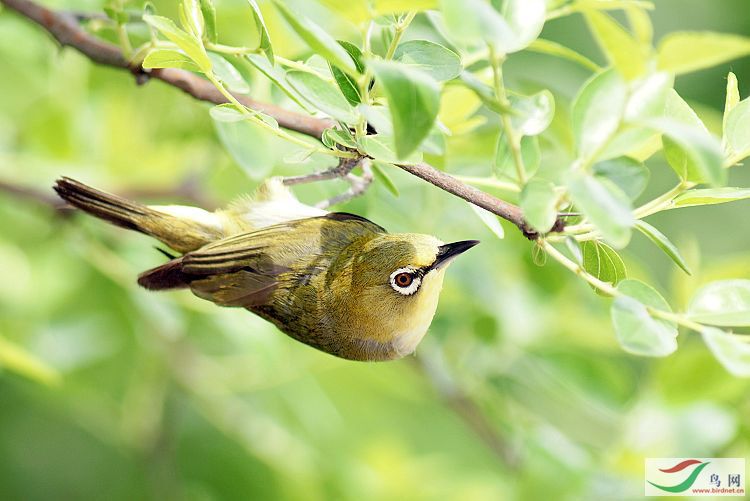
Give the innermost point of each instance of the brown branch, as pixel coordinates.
(65, 29)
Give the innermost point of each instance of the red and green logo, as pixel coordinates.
(689, 481)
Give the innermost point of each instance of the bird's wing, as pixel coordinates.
(244, 270)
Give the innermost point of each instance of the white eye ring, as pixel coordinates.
(409, 289)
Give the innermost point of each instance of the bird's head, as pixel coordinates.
(392, 287)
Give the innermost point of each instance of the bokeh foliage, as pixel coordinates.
(109, 391)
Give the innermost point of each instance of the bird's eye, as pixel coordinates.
(405, 281)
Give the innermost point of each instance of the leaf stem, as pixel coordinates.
(514, 142)
(400, 28)
(252, 117)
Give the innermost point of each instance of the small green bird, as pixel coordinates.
(335, 281)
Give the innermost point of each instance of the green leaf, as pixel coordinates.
(277, 76)
(264, 42)
(15, 358)
(169, 58)
(380, 147)
(551, 48)
(254, 148)
(530, 154)
(355, 53)
(434, 59)
(710, 196)
(533, 114)
(732, 99)
(640, 24)
(604, 205)
(347, 85)
(332, 137)
(323, 95)
(686, 51)
(209, 16)
(397, 6)
(489, 219)
(636, 330)
(539, 204)
(737, 130)
(538, 255)
(414, 101)
(622, 50)
(725, 303)
(597, 111)
(227, 73)
(731, 351)
(628, 174)
(603, 262)
(379, 169)
(648, 97)
(691, 151)
(226, 113)
(189, 44)
(513, 28)
(318, 39)
(661, 241)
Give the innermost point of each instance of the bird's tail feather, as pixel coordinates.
(181, 233)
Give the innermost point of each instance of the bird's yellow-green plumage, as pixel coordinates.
(334, 281)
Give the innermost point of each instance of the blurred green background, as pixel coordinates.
(519, 390)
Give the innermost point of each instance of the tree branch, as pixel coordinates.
(66, 30)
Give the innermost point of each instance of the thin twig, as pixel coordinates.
(465, 407)
(344, 167)
(64, 28)
(357, 186)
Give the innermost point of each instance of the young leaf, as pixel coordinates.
(414, 101)
(729, 350)
(663, 243)
(434, 59)
(605, 205)
(227, 73)
(347, 85)
(628, 174)
(539, 202)
(636, 330)
(732, 99)
(192, 47)
(278, 77)
(379, 169)
(551, 48)
(710, 196)
(226, 113)
(622, 50)
(601, 260)
(597, 111)
(253, 148)
(209, 17)
(380, 147)
(489, 219)
(648, 97)
(264, 43)
(538, 255)
(737, 130)
(640, 24)
(509, 30)
(331, 137)
(686, 51)
(355, 53)
(323, 95)
(169, 58)
(318, 39)
(530, 153)
(533, 114)
(692, 152)
(724, 303)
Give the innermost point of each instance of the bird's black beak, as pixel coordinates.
(447, 252)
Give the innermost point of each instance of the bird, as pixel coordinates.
(334, 281)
